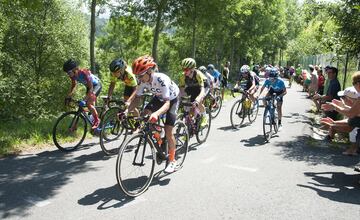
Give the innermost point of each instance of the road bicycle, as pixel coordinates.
(242, 108)
(190, 115)
(270, 117)
(71, 127)
(114, 130)
(137, 156)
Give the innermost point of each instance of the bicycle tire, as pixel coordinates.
(126, 150)
(181, 142)
(199, 130)
(236, 112)
(111, 126)
(253, 113)
(215, 111)
(63, 132)
(267, 124)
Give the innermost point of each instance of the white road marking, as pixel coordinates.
(37, 201)
(241, 168)
(209, 160)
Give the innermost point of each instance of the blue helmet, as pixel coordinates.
(274, 73)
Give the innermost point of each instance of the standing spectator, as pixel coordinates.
(298, 72)
(313, 88)
(225, 77)
(331, 93)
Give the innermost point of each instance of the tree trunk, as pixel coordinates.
(194, 32)
(157, 31)
(92, 37)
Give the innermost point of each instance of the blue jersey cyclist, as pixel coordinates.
(216, 74)
(92, 83)
(277, 86)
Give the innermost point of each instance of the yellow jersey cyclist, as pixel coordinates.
(92, 83)
(193, 83)
(252, 82)
(164, 101)
(120, 71)
(275, 85)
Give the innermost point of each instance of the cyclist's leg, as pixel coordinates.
(128, 91)
(90, 102)
(279, 110)
(171, 115)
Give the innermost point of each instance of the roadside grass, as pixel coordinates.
(17, 136)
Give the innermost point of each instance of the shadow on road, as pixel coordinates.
(254, 141)
(113, 197)
(27, 180)
(335, 186)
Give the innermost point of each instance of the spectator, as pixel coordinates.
(313, 88)
(321, 81)
(331, 93)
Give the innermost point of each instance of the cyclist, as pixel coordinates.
(210, 79)
(92, 83)
(165, 99)
(193, 82)
(291, 75)
(216, 74)
(121, 71)
(225, 77)
(252, 82)
(275, 85)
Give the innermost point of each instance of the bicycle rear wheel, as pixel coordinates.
(253, 112)
(216, 107)
(135, 165)
(237, 114)
(111, 131)
(69, 131)
(267, 125)
(181, 142)
(202, 132)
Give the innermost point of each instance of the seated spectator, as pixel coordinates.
(321, 82)
(331, 93)
(350, 98)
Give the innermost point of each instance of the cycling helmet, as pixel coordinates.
(202, 69)
(267, 69)
(188, 63)
(142, 64)
(245, 69)
(274, 73)
(210, 67)
(69, 65)
(117, 64)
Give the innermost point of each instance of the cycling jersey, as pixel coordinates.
(128, 78)
(249, 80)
(161, 86)
(198, 80)
(216, 75)
(85, 76)
(277, 86)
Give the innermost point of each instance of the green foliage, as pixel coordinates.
(40, 36)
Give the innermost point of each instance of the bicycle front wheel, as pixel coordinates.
(181, 142)
(135, 165)
(267, 125)
(69, 131)
(253, 112)
(111, 131)
(237, 114)
(203, 128)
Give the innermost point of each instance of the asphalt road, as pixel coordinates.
(234, 175)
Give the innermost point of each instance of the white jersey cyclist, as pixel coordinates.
(161, 86)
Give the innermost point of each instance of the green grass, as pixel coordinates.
(16, 136)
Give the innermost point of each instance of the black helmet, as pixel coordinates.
(117, 64)
(69, 65)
